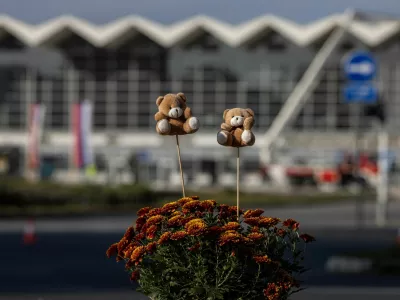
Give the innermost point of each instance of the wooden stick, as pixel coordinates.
(180, 165)
(237, 181)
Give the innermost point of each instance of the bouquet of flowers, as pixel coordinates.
(193, 249)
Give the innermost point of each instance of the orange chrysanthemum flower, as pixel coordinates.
(143, 211)
(214, 230)
(252, 221)
(151, 247)
(137, 254)
(191, 206)
(170, 207)
(112, 250)
(281, 232)
(262, 259)
(194, 247)
(231, 226)
(140, 223)
(230, 237)
(307, 238)
(268, 222)
(151, 232)
(128, 251)
(185, 200)
(253, 213)
(176, 236)
(135, 275)
(154, 212)
(176, 213)
(208, 205)
(164, 238)
(187, 220)
(273, 291)
(140, 236)
(123, 243)
(292, 224)
(175, 221)
(255, 229)
(130, 233)
(154, 220)
(255, 236)
(195, 227)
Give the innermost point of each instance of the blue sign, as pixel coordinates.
(360, 92)
(360, 66)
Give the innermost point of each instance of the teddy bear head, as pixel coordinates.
(172, 105)
(236, 116)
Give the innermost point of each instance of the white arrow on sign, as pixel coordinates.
(362, 68)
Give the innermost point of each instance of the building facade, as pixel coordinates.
(125, 65)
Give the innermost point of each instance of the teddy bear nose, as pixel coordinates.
(237, 118)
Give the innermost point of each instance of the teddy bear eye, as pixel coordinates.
(233, 117)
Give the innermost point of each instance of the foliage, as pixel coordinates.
(192, 249)
(23, 194)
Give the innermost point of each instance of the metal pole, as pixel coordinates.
(383, 185)
(307, 83)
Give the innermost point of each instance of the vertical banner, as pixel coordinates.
(82, 126)
(36, 124)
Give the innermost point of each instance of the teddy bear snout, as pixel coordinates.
(237, 121)
(175, 112)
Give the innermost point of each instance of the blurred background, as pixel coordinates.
(79, 153)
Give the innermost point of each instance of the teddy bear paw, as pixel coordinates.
(194, 123)
(246, 136)
(222, 138)
(163, 126)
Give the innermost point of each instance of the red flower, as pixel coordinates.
(141, 212)
(154, 212)
(292, 224)
(268, 222)
(176, 236)
(112, 250)
(140, 223)
(170, 207)
(164, 238)
(135, 275)
(281, 232)
(130, 233)
(252, 221)
(253, 213)
(151, 247)
(307, 238)
(151, 232)
(194, 247)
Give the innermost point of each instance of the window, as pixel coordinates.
(204, 41)
(272, 41)
(9, 42)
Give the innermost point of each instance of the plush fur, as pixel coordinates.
(236, 129)
(174, 117)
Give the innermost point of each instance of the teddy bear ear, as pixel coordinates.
(225, 112)
(250, 111)
(182, 96)
(159, 100)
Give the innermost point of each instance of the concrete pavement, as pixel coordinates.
(334, 215)
(313, 293)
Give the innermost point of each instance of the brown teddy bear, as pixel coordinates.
(174, 117)
(236, 130)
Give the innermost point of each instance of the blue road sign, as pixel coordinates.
(360, 92)
(360, 66)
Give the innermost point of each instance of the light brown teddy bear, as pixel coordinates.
(236, 130)
(174, 117)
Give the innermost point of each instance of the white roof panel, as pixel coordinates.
(169, 35)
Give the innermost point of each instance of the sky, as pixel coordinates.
(169, 11)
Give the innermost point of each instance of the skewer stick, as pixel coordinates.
(180, 165)
(237, 181)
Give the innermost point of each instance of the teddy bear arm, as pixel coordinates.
(248, 123)
(226, 127)
(159, 116)
(187, 113)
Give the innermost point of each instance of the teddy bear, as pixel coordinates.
(174, 117)
(236, 130)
